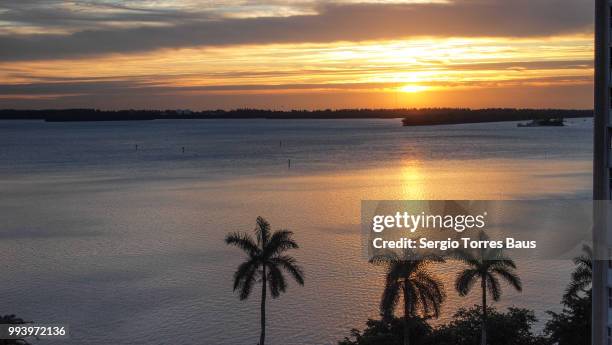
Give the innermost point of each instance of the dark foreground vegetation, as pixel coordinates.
(412, 117)
(572, 326)
(510, 328)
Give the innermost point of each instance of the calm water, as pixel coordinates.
(126, 245)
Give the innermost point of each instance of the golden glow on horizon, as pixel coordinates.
(413, 88)
(412, 66)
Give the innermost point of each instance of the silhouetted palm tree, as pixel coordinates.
(409, 275)
(265, 262)
(486, 265)
(582, 275)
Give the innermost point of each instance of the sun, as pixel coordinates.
(413, 88)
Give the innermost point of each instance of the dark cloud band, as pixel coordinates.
(334, 22)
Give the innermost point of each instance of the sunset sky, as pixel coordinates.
(296, 54)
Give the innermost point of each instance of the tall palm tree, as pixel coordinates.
(409, 276)
(486, 265)
(582, 275)
(266, 259)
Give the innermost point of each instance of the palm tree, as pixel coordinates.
(582, 275)
(486, 265)
(265, 262)
(409, 275)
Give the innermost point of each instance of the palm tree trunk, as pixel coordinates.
(483, 339)
(407, 314)
(262, 336)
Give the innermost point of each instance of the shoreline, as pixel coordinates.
(410, 117)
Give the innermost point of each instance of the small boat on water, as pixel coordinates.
(548, 122)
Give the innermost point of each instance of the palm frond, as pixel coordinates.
(262, 231)
(289, 264)
(583, 261)
(431, 281)
(503, 263)
(431, 292)
(434, 299)
(244, 269)
(282, 235)
(276, 280)
(465, 281)
(582, 275)
(279, 242)
(242, 241)
(413, 295)
(390, 297)
(510, 277)
(493, 286)
(245, 277)
(423, 300)
(576, 287)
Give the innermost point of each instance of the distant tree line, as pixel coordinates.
(455, 116)
(423, 116)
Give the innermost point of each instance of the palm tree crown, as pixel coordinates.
(409, 275)
(265, 263)
(487, 267)
(582, 275)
